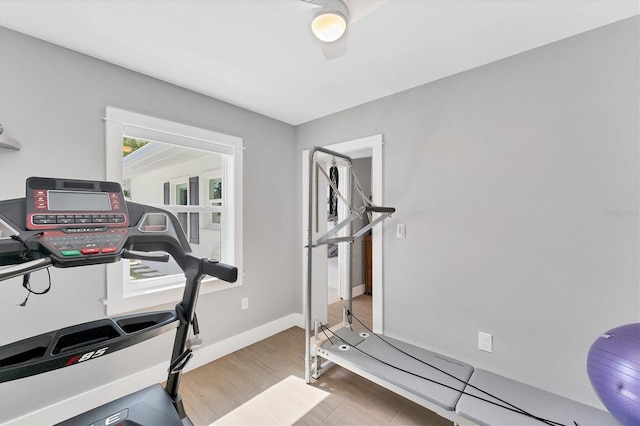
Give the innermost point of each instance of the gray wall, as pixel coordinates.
(518, 183)
(53, 100)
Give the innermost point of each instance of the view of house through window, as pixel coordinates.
(185, 181)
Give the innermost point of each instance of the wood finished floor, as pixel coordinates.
(361, 307)
(263, 384)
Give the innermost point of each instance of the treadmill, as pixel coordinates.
(68, 223)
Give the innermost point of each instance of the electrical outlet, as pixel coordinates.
(485, 342)
(401, 231)
(245, 303)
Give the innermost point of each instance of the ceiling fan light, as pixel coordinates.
(328, 26)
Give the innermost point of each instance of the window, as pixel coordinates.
(183, 170)
(169, 176)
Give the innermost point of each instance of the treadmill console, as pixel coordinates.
(78, 218)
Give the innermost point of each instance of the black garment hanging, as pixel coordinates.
(333, 196)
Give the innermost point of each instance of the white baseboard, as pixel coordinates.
(358, 290)
(77, 404)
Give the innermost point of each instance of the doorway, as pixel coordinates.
(338, 278)
(337, 254)
(369, 148)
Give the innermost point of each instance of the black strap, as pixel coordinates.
(27, 255)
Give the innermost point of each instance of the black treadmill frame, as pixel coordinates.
(46, 352)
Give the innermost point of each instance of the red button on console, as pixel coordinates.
(92, 250)
(108, 249)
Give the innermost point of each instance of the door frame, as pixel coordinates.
(369, 146)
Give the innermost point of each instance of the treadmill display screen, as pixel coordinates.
(78, 201)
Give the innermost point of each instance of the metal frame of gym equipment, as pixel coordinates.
(450, 388)
(313, 366)
(321, 353)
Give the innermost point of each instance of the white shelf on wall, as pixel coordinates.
(8, 143)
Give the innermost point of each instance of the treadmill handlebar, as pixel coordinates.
(20, 269)
(155, 256)
(219, 270)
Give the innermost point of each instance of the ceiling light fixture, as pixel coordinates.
(328, 25)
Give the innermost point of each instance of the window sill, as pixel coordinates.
(149, 298)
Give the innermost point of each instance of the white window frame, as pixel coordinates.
(119, 123)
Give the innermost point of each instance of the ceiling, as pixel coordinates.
(155, 156)
(260, 54)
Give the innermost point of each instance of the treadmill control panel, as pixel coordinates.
(77, 217)
(85, 241)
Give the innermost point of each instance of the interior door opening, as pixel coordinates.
(337, 255)
(367, 274)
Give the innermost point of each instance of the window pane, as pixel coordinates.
(184, 181)
(215, 189)
(181, 194)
